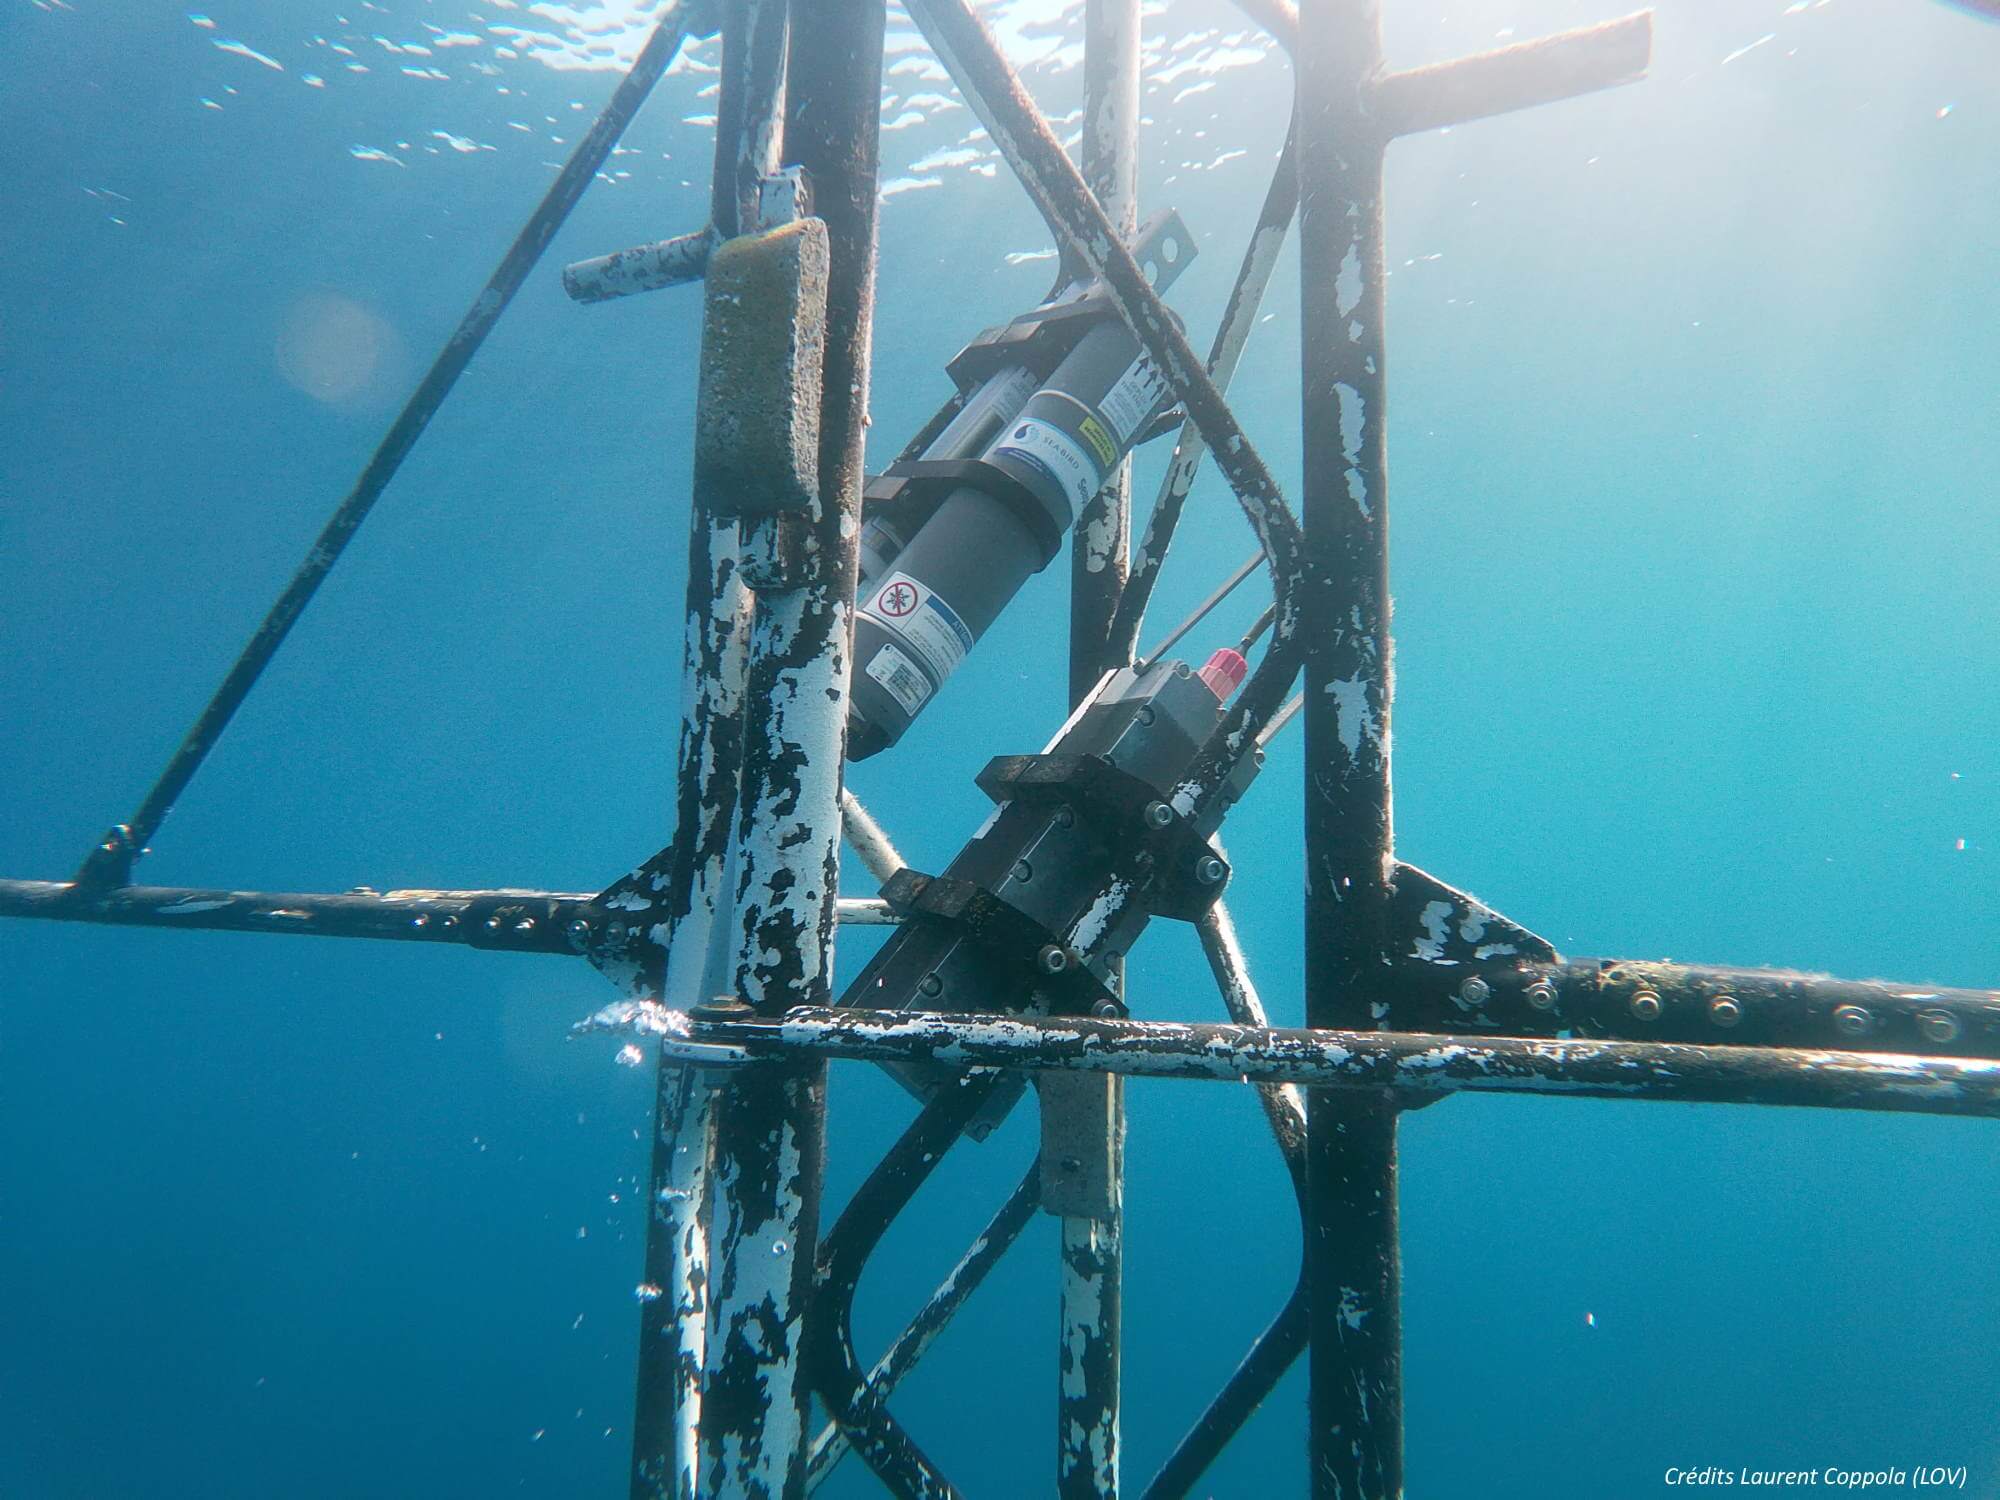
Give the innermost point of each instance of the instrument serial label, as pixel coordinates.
(900, 678)
(911, 610)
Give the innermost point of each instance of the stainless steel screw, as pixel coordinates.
(1541, 995)
(1724, 1011)
(1475, 991)
(1158, 815)
(1052, 959)
(1209, 870)
(1852, 1020)
(931, 985)
(1646, 1005)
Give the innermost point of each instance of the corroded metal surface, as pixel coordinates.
(1411, 1064)
(770, 1129)
(1087, 1372)
(643, 268)
(521, 921)
(769, 1147)
(1669, 1002)
(1083, 1120)
(673, 1314)
(1352, 1262)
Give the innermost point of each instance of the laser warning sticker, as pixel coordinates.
(1044, 446)
(911, 610)
(900, 678)
(1131, 400)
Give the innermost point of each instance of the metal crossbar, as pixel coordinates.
(1413, 990)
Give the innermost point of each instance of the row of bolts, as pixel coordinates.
(1938, 1026)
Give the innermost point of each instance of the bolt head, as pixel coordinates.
(1541, 995)
(1725, 1011)
(1852, 1020)
(1939, 1026)
(1475, 991)
(1108, 1010)
(1158, 815)
(1052, 959)
(931, 986)
(1646, 1006)
(579, 932)
(1209, 870)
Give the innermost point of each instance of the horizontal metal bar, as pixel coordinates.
(518, 920)
(643, 268)
(1408, 1063)
(1637, 1000)
(1562, 66)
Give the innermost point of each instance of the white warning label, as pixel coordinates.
(913, 612)
(1048, 448)
(1132, 398)
(900, 677)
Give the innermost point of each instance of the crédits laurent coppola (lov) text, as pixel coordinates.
(1922, 1476)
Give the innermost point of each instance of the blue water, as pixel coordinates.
(1693, 435)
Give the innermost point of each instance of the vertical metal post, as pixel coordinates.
(673, 1317)
(1351, 1253)
(1090, 1339)
(770, 1122)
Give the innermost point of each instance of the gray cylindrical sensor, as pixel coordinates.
(920, 615)
(996, 402)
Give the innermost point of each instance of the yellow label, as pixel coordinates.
(1100, 442)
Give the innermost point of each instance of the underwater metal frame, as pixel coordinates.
(1413, 989)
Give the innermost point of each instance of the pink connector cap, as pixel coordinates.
(1224, 673)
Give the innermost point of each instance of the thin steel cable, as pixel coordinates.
(1280, 719)
(1208, 605)
(1256, 632)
